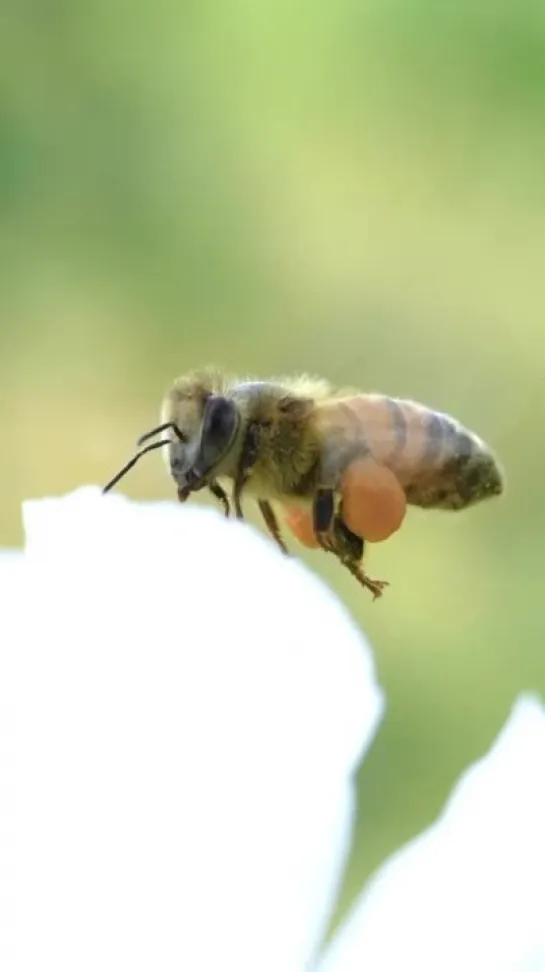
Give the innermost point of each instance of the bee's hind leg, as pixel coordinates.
(334, 536)
(323, 517)
(348, 546)
(350, 550)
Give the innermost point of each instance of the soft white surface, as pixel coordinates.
(12, 609)
(469, 894)
(191, 706)
(11, 561)
(181, 710)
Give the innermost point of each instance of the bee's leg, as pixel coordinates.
(248, 458)
(348, 545)
(220, 495)
(272, 523)
(375, 586)
(334, 536)
(349, 550)
(323, 516)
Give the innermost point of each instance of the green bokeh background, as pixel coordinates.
(351, 188)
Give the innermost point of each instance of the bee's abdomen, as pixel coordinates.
(439, 463)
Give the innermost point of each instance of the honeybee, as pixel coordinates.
(291, 441)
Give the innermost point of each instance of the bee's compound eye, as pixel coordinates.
(220, 420)
(218, 431)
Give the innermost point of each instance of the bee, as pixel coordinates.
(291, 440)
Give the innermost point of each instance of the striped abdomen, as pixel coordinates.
(438, 462)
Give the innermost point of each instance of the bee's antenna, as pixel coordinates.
(162, 428)
(132, 462)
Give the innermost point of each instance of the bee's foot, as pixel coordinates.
(375, 586)
(326, 542)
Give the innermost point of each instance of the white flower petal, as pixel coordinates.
(11, 562)
(193, 705)
(11, 610)
(469, 894)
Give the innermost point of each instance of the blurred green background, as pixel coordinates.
(355, 189)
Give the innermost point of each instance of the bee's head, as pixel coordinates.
(201, 435)
(199, 426)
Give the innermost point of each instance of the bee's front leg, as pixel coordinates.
(220, 495)
(248, 458)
